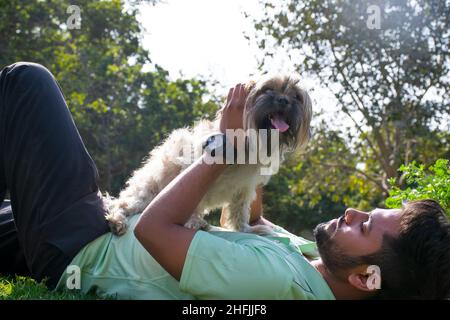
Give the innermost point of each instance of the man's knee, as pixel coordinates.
(25, 74)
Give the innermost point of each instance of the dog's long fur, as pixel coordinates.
(235, 188)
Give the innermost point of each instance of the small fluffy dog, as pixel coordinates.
(272, 103)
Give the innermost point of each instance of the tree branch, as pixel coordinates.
(350, 169)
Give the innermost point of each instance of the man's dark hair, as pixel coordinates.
(416, 263)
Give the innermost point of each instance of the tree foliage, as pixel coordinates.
(122, 103)
(422, 183)
(390, 83)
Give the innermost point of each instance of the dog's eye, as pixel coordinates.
(299, 97)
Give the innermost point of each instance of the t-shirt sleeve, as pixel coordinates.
(216, 268)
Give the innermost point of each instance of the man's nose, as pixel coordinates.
(351, 214)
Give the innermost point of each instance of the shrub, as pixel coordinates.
(422, 183)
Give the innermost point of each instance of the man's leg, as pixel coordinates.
(2, 181)
(49, 174)
(12, 258)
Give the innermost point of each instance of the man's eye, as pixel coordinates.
(362, 227)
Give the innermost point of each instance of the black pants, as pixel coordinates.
(52, 180)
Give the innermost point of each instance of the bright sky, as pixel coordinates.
(207, 38)
(202, 37)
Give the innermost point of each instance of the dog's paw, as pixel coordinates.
(197, 223)
(258, 229)
(119, 228)
(117, 225)
(205, 226)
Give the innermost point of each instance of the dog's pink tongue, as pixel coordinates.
(279, 124)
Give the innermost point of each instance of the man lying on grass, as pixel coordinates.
(58, 225)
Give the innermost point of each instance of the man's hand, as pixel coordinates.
(233, 111)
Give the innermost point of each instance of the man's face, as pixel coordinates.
(355, 234)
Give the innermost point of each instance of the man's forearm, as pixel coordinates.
(256, 209)
(178, 200)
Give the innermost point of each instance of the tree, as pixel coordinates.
(121, 110)
(391, 83)
(286, 205)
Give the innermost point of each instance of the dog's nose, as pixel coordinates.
(282, 101)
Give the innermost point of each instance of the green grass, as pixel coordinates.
(22, 288)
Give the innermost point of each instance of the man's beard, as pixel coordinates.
(330, 252)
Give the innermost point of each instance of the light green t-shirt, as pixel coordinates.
(219, 265)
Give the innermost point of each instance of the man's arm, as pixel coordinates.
(256, 209)
(160, 228)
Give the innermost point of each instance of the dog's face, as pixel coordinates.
(279, 103)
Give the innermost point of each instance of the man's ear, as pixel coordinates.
(359, 281)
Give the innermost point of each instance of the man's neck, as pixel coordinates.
(342, 290)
